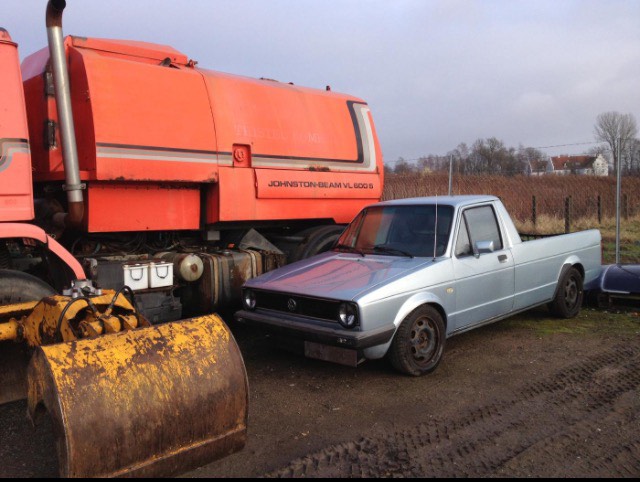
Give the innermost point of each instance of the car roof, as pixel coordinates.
(455, 201)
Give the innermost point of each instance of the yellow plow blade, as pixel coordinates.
(149, 402)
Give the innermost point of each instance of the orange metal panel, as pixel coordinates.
(141, 118)
(16, 192)
(137, 107)
(234, 199)
(142, 207)
(131, 48)
(281, 184)
(279, 119)
(123, 97)
(129, 112)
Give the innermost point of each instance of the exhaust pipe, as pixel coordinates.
(73, 186)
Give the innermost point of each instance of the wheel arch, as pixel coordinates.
(412, 303)
(64, 266)
(571, 262)
(417, 300)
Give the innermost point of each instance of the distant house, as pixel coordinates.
(539, 167)
(590, 165)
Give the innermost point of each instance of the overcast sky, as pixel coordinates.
(435, 73)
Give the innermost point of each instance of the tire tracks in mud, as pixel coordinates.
(583, 421)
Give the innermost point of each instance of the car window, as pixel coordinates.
(482, 226)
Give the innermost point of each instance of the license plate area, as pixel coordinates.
(335, 354)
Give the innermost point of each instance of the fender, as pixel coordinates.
(407, 307)
(23, 230)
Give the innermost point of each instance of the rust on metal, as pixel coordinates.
(149, 402)
(224, 274)
(51, 320)
(60, 318)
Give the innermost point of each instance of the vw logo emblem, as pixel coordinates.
(292, 305)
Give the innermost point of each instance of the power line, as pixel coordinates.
(539, 147)
(566, 145)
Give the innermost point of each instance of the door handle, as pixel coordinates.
(502, 258)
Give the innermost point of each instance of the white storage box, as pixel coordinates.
(160, 274)
(136, 276)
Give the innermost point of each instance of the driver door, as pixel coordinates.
(484, 278)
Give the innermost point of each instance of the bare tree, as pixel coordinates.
(611, 126)
(403, 166)
(493, 157)
(460, 158)
(633, 156)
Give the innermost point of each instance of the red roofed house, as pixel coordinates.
(591, 165)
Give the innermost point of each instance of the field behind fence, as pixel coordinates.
(545, 204)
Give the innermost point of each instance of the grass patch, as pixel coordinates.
(629, 251)
(589, 321)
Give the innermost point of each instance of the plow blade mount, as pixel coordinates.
(155, 401)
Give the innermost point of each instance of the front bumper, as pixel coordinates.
(295, 327)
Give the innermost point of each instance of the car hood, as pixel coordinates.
(340, 276)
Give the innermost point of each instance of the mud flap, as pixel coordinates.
(149, 402)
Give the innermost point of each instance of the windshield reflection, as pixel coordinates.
(412, 231)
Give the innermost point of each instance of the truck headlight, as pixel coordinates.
(348, 315)
(249, 299)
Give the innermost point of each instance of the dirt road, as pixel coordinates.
(526, 397)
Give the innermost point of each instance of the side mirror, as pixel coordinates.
(480, 247)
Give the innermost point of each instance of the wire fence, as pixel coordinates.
(544, 204)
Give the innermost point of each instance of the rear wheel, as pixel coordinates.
(17, 287)
(318, 239)
(569, 295)
(418, 345)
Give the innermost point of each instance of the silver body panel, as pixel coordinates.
(469, 290)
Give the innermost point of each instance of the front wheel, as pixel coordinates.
(569, 295)
(419, 342)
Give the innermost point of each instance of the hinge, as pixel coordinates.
(50, 134)
(49, 89)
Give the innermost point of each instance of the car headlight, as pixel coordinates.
(348, 315)
(249, 299)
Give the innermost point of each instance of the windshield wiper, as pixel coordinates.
(389, 249)
(350, 249)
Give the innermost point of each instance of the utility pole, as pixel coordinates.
(618, 182)
(450, 172)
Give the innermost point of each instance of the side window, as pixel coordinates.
(483, 226)
(463, 246)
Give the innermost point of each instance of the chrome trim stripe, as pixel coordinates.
(8, 147)
(116, 151)
(364, 162)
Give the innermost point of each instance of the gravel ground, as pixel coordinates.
(525, 397)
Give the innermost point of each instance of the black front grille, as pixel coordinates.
(304, 305)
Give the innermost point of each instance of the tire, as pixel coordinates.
(569, 295)
(418, 344)
(319, 239)
(17, 287)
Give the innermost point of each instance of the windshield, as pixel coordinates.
(399, 231)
